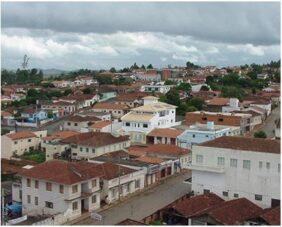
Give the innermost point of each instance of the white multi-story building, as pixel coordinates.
(58, 188)
(200, 133)
(235, 167)
(16, 143)
(153, 114)
(158, 87)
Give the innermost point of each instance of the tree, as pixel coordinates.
(191, 65)
(232, 92)
(134, 66)
(169, 82)
(87, 90)
(196, 102)
(260, 134)
(204, 88)
(184, 87)
(67, 92)
(113, 70)
(143, 67)
(150, 66)
(172, 97)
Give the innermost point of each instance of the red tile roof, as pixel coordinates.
(130, 222)
(150, 160)
(21, 135)
(244, 143)
(110, 106)
(271, 216)
(197, 205)
(78, 118)
(235, 212)
(61, 135)
(63, 172)
(100, 124)
(165, 132)
(94, 139)
(112, 171)
(218, 101)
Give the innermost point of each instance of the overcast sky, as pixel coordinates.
(100, 35)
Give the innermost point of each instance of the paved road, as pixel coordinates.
(144, 204)
(269, 124)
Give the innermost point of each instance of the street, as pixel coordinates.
(269, 125)
(143, 204)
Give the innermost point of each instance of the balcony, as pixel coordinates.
(214, 169)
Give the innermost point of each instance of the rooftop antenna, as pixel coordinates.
(25, 61)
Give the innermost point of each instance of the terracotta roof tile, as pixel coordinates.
(148, 159)
(271, 216)
(218, 101)
(77, 118)
(63, 172)
(100, 124)
(111, 170)
(110, 106)
(244, 143)
(61, 135)
(94, 139)
(21, 135)
(130, 222)
(165, 132)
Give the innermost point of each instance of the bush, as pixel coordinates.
(260, 134)
(36, 156)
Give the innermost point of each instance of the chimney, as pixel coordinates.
(210, 125)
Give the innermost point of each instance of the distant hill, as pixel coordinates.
(52, 72)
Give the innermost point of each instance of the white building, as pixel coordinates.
(58, 188)
(233, 106)
(200, 133)
(16, 143)
(153, 114)
(235, 167)
(158, 87)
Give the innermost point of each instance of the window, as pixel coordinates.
(204, 118)
(75, 124)
(233, 162)
(28, 198)
(87, 149)
(69, 123)
(36, 184)
(81, 149)
(61, 188)
(93, 150)
(236, 195)
(29, 140)
(199, 158)
(145, 125)
(225, 193)
(246, 164)
(220, 119)
(94, 183)
(48, 186)
(268, 165)
(74, 189)
(279, 168)
(220, 161)
(28, 182)
(94, 199)
(16, 142)
(48, 204)
(75, 205)
(127, 124)
(137, 184)
(36, 200)
(193, 136)
(260, 165)
(258, 197)
(206, 191)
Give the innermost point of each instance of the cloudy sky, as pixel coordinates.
(70, 35)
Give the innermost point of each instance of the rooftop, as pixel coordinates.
(218, 101)
(244, 143)
(112, 171)
(111, 106)
(21, 135)
(78, 118)
(100, 124)
(154, 107)
(165, 132)
(135, 117)
(271, 216)
(61, 135)
(94, 139)
(63, 172)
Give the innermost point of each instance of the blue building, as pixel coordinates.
(33, 115)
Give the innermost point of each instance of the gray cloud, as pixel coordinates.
(257, 23)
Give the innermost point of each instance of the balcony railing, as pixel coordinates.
(215, 169)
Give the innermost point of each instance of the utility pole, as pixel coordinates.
(2, 207)
(119, 178)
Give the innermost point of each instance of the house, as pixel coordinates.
(132, 99)
(105, 126)
(61, 189)
(106, 92)
(178, 158)
(232, 212)
(151, 75)
(156, 87)
(119, 181)
(206, 95)
(256, 119)
(7, 118)
(86, 80)
(218, 104)
(81, 100)
(236, 167)
(200, 133)
(16, 143)
(166, 74)
(92, 144)
(61, 83)
(90, 113)
(258, 101)
(219, 118)
(63, 108)
(116, 110)
(269, 216)
(34, 115)
(153, 114)
(51, 146)
(79, 123)
(163, 136)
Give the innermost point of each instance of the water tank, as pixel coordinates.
(210, 125)
(234, 102)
